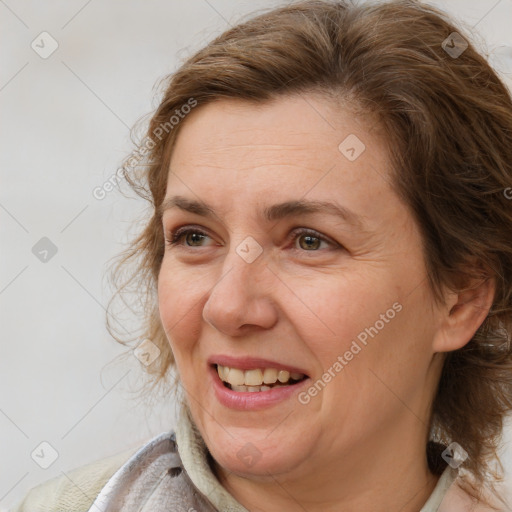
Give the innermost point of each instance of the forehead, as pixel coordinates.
(289, 148)
(286, 130)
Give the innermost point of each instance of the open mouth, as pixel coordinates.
(257, 379)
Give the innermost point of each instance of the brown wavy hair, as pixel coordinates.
(448, 123)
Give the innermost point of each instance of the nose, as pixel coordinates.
(242, 298)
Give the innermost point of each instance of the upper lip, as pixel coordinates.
(250, 363)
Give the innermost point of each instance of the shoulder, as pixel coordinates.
(75, 490)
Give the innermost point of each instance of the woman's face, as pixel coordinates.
(268, 282)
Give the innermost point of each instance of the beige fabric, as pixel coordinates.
(457, 500)
(193, 452)
(76, 493)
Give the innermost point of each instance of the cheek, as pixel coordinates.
(365, 321)
(333, 312)
(179, 302)
(180, 314)
(392, 362)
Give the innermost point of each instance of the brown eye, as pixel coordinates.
(193, 238)
(309, 242)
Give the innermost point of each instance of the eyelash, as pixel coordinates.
(174, 238)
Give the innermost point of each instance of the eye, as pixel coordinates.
(310, 240)
(192, 236)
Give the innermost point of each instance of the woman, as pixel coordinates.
(328, 269)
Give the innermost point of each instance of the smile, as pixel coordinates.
(257, 379)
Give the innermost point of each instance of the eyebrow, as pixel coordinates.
(270, 213)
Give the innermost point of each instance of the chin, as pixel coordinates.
(247, 456)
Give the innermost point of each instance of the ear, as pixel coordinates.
(463, 313)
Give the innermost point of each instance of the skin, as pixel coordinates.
(359, 444)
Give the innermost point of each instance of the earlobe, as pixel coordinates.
(463, 313)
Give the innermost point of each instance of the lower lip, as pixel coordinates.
(252, 401)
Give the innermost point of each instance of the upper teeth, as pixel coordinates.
(257, 377)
